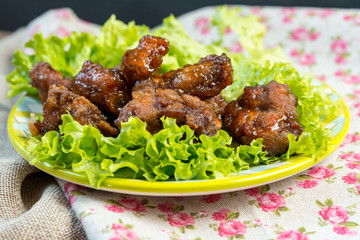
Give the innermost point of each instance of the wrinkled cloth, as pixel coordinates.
(32, 204)
(322, 202)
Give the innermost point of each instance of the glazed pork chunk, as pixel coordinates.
(205, 79)
(61, 101)
(267, 112)
(141, 62)
(43, 76)
(106, 88)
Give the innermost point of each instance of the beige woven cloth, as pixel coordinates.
(32, 205)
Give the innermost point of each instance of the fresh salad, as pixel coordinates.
(175, 152)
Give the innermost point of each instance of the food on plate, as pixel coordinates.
(141, 62)
(218, 104)
(176, 94)
(106, 88)
(267, 112)
(150, 106)
(60, 101)
(205, 79)
(155, 75)
(43, 76)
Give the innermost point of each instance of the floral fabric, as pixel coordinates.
(320, 203)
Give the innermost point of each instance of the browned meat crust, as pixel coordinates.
(267, 112)
(141, 62)
(151, 105)
(104, 87)
(61, 101)
(43, 76)
(205, 79)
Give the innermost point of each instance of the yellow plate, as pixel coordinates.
(255, 176)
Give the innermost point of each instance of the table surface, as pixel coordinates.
(320, 203)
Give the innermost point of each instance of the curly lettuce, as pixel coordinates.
(174, 153)
(69, 53)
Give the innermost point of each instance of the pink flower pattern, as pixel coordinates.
(347, 77)
(62, 13)
(299, 34)
(352, 18)
(322, 13)
(339, 48)
(71, 190)
(321, 172)
(292, 235)
(350, 138)
(338, 217)
(307, 183)
(221, 215)
(165, 207)
(132, 204)
(334, 214)
(114, 208)
(180, 219)
(288, 14)
(252, 192)
(351, 178)
(343, 230)
(211, 198)
(236, 47)
(352, 160)
(314, 176)
(121, 232)
(203, 25)
(62, 32)
(270, 202)
(304, 59)
(232, 228)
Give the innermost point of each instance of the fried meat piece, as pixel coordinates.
(151, 105)
(104, 87)
(43, 76)
(141, 62)
(267, 112)
(218, 104)
(204, 79)
(61, 100)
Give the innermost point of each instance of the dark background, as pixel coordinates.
(17, 13)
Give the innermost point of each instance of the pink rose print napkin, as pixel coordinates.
(320, 203)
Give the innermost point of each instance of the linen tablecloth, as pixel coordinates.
(320, 203)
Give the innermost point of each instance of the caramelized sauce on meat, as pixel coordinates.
(43, 76)
(267, 112)
(106, 88)
(141, 62)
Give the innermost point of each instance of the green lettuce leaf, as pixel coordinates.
(114, 38)
(64, 54)
(253, 154)
(251, 37)
(172, 153)
(250, 31)
(183, 49)
(68, 54)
